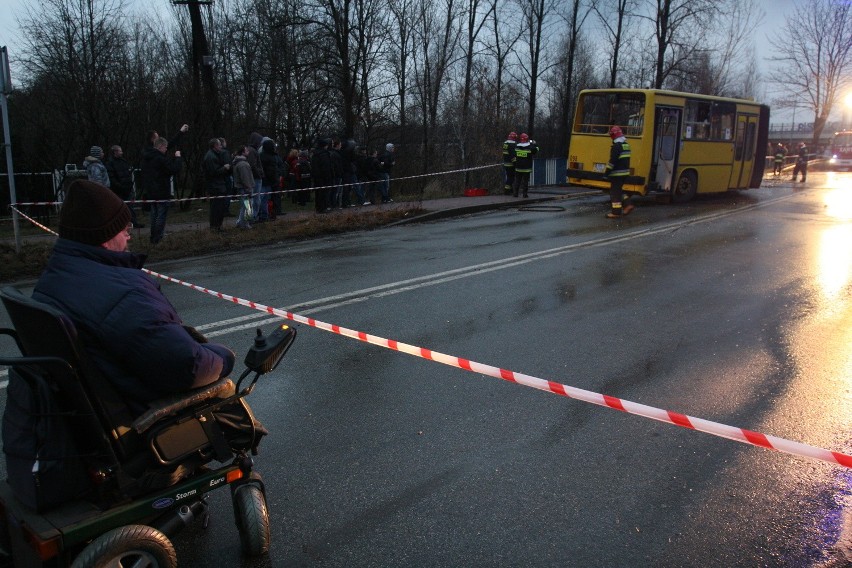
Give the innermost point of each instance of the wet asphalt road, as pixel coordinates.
(733, 308)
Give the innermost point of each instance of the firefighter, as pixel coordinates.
(801, 162)
(508, 165)
(617, 169)
(780, 154)
(523, 160)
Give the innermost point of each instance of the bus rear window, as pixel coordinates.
(596, 112)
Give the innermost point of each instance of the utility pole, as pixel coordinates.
(5, 89)
(208, 114)
(204, 84)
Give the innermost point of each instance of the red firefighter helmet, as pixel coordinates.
(615, 132)
(525, 137)
(513, 136)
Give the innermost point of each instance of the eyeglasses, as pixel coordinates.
(128, 228)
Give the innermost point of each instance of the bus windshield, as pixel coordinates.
(598, 111)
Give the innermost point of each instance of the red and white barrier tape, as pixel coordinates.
(282, 191)
(667, 416)
(670, 417)
(33, 221)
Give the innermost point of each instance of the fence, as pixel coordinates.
(549, 171)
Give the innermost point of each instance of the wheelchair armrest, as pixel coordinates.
(172, 405)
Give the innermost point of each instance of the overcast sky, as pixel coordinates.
(775, 12)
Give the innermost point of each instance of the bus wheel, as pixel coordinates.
(687, 186)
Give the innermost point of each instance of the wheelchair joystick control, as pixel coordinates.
(259, 340)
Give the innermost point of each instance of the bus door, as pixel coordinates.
(743, 151)
(666, 136)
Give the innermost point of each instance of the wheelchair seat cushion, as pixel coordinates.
(170, 406)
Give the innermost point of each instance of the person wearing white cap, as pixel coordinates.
(387, 162)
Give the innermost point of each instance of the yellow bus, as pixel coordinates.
(681, 143)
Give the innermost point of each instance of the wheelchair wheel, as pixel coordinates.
(252, 519)
(132, 545)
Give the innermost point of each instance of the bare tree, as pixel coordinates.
(75, 55)
(679, 33)
(404, 20)
(816, 60)
(348, 37)
(575, 20)
(535, 14)
(719, 67)
(615, 16)
(439, 37)
(502, 43)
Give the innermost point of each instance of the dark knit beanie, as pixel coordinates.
(96, 152)
(92, 214)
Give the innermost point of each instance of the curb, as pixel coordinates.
(468, 209)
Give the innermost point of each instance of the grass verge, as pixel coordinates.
(188, 236)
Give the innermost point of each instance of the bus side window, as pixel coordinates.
(697, 119)
(722, 121)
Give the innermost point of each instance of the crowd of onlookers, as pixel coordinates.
(334, 174)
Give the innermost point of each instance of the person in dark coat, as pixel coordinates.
(157, 169)
(217, 168)
(322, 167)
(349, 157)
(271, 174)
(121, 179)
(128, 327)
(335, 195)
(302, 177)
(370, 174)
(387, 161)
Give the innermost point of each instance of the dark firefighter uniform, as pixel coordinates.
(617, 169)
(524, 152)
(780, 154)
(508, 162)
(801, 162)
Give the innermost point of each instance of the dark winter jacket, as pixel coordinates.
(387, 161)
(322, 168)
(253, 157)
(120, 177)
(269, 163)
(129, 328)
(156, 173)
(215, 171)
(337, 163)
(619, 158)
(524, 153)
(509, 153)
(369, 168)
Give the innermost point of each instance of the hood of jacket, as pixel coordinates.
(255, 139)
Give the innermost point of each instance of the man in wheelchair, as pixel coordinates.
(144, 400)
(129, 328)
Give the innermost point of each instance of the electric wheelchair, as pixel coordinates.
(89, 485)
